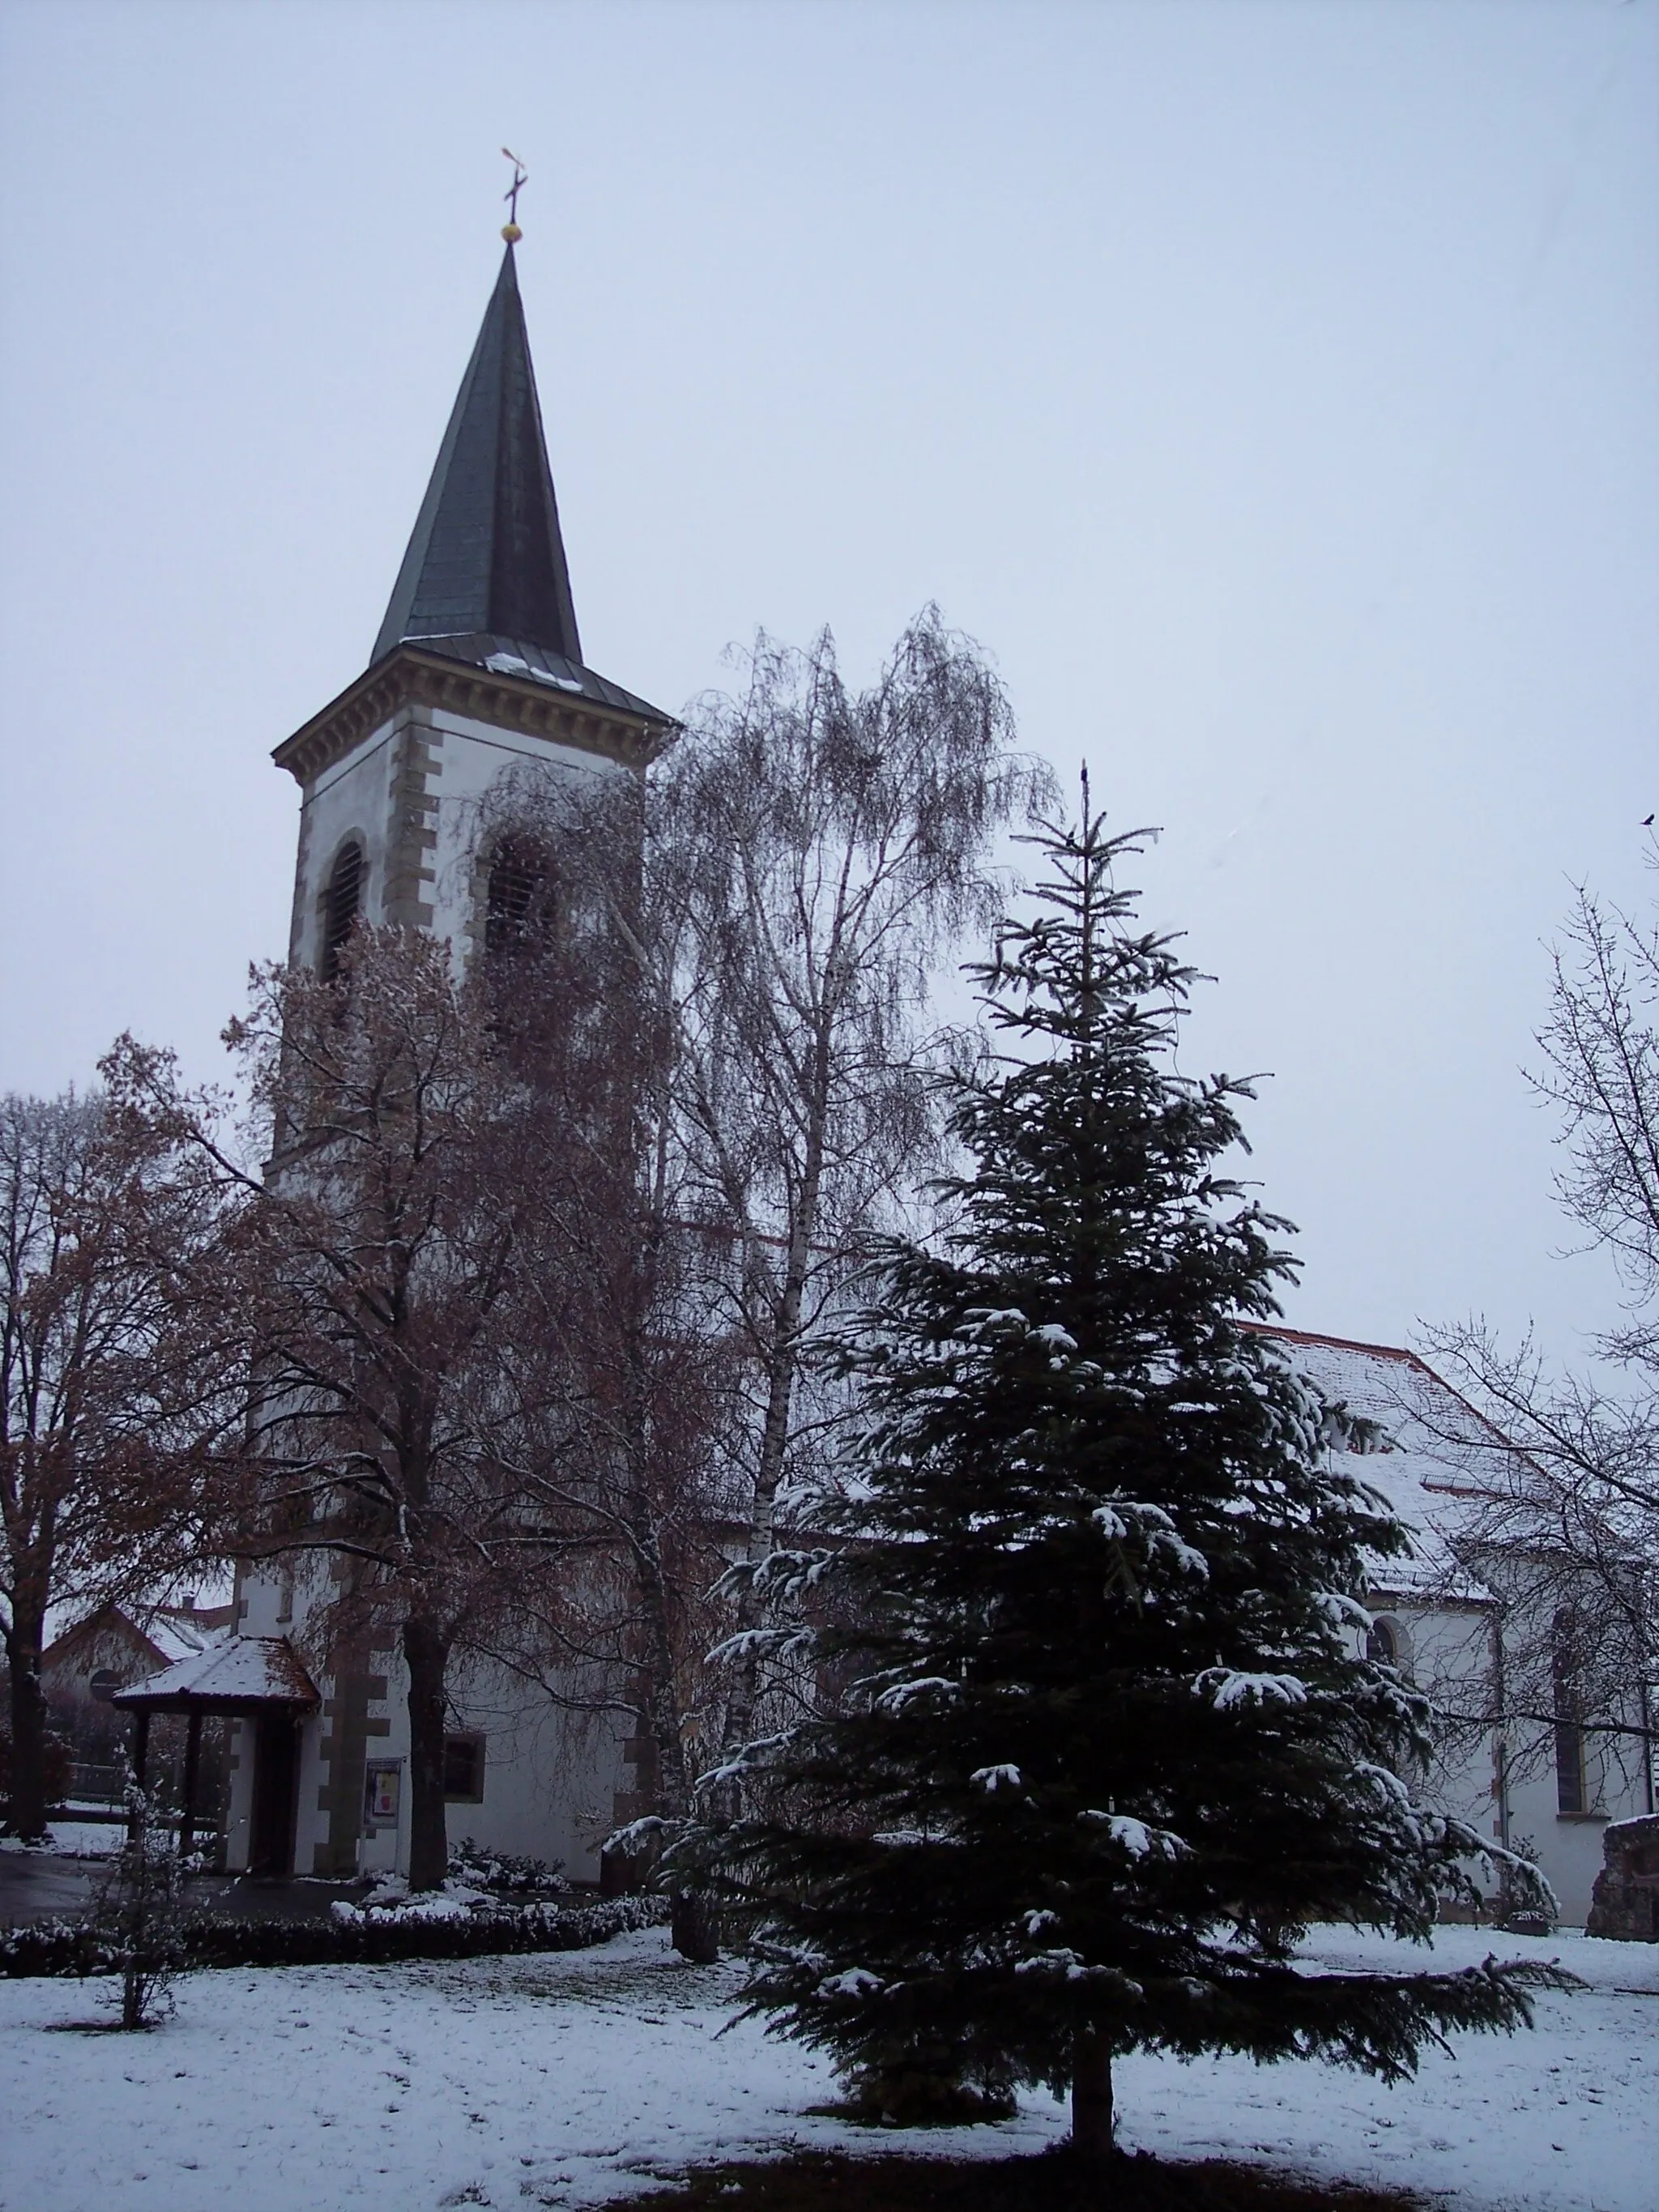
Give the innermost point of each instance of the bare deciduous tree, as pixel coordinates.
(106, 1419)
(1571, 1496)
(623, 1366)
(783, 894)
(369, 1266)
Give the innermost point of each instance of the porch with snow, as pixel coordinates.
(258, 1680)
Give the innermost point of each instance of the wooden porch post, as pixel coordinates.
(192, 1766)
(140, 1760)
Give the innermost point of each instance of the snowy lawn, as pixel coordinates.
(565, 2080)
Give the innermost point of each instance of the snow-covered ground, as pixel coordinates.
(569, 2079)
(68, 1839)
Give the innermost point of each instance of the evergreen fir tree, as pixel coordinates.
(1107, 1742)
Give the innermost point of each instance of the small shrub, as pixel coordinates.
(1528, 1923)
(40, 1948)
(1524, 1897)
(137, 1920)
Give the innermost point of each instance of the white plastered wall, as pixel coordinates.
(361, 795)
(475, 758)
(550, 1776)
(352, 798)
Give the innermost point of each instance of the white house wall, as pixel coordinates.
(550, 1777)
(1568, 1845)
(1432, 1473)
(1446, 1653)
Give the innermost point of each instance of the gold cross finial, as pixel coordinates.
(510, 230)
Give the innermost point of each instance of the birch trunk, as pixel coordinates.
(426, 1654)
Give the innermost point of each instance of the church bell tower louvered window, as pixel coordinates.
(342, 903)
(519, 899)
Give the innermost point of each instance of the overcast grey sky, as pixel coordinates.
(1268, 384)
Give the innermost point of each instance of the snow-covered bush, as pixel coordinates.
(505, 1874)
(220, 1939)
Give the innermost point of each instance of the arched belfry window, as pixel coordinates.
(519, 897)
(342, 904)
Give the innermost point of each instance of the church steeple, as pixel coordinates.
(486, 559)
(477, 674)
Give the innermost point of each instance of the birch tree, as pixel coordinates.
(1572, 1478)
(822, 849)
(621, 1368)
(758, 935)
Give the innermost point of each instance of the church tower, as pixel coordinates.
(477, 669)
(477, 666)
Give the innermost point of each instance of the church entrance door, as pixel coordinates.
(276, 1771)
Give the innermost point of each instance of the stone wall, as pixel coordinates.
(1625, 1904)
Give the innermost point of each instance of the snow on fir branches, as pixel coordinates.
(1096, 1744)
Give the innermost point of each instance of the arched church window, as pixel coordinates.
(1382, 1645)
(342, 903)
(519, 896)
(1565, 1664)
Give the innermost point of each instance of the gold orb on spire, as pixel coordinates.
(510, 230)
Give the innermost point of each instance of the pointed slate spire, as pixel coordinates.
(486, 555)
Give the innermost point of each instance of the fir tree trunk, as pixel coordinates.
(29, 1727)
(426, 1653)
(1092, 2119)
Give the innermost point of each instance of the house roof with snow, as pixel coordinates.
(1434, 1460)
(179, 1631)
(160, 1635)
(233, 1674)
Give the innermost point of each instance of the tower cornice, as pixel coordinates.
(524, 704)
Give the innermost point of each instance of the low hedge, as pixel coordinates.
(217, 1939)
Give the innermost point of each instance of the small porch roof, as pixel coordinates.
(243, 1674)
